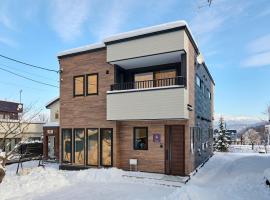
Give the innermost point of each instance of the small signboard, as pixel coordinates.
(50, 131)
(156, 138)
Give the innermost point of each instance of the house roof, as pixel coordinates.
(181, 24)
(51, 102)
(10, 107)
(81, 49)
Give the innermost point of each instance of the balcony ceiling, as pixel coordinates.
(152, 60)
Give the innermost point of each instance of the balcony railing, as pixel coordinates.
(179, 80)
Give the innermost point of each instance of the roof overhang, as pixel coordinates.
(151, 60)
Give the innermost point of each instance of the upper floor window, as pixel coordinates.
(56, 115)
(78, 84)
(198, 81)
(92, 84)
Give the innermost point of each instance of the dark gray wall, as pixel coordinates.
(203, 116)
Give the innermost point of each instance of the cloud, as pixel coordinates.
(8, 42)
(259, 45)
(257, 60)
(260, 52)
(68, 17)
(264, 13)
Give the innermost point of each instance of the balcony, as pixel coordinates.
(179, 80)
(148, 100)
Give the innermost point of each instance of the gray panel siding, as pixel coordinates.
(203, 110)
(165, 103)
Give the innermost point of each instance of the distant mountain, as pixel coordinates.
(240, 123)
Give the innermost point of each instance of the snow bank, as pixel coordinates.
(50, 183)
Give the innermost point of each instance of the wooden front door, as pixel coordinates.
(175, 150)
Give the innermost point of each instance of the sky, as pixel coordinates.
(233, 36)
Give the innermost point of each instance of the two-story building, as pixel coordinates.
(141, 95)
(11, 124)
(51, 131)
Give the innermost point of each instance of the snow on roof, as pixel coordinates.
(51, 124)
(147, 30)
(52, 101)
(81, 49)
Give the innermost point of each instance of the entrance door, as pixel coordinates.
(106, 148)
(51, 146)
(174, 150)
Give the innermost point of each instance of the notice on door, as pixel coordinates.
(156, 137)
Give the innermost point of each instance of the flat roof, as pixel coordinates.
(137, 33)
(81, 49)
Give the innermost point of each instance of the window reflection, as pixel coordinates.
(106, 146)
(66, 140)
(92, 140)
(79, 146)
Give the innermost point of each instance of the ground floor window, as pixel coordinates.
(140, 138)
(92, 146)
(106, 138)
(66, 145)
(79, 146)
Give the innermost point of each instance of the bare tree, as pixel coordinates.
(11, 128)
(252, 137)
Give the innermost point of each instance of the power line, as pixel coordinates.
(24, 63)
(28, 78)
(28, 73)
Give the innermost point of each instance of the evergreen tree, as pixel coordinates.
(222, 143)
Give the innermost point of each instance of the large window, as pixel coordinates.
(92, 84)
(165, 77)
(140, 138)
(79, 146)
(144, 80)
(66, 145)
(78, 82)
(92, 146)
(106, 138)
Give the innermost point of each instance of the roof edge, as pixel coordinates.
(81, 49)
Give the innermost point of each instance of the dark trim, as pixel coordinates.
(155, 54)
(62, 145)
(134, 136)
(207, 71)
(47, 106)
(74, 93)
(81, 52)
(74, 139)
(98, 153)
(73, 167)
(100, 144)
(86, 77)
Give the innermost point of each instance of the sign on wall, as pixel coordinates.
(156, 137)
(50, 131)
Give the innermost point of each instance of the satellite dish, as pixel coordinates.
(200, 59)
(20, 106)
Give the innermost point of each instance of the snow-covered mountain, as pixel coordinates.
(239, 122)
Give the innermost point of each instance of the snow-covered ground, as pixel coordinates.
(248, 149)
(238, 176)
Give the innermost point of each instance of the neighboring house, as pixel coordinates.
(10, 110)
(32, 131)
(51, 131)
(9, 117)
(140, 95)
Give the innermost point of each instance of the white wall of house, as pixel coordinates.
(55, 112)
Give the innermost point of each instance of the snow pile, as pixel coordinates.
(50, 183)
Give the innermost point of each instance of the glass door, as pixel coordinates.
(106, 149)
(92, 146)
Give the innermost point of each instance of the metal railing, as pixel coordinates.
(179, 80)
